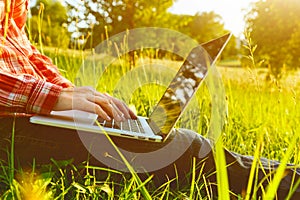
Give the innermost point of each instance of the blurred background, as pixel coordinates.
(271, 27)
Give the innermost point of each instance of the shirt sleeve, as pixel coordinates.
(41, 62)
(48, 69)
(24, 93)
(19, 12)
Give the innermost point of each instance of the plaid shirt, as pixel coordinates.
(29, 82)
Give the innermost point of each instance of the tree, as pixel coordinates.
(294, 48)
(97, 19)
(51, 18)
(274, 28)
(116, 16)
(206, 26)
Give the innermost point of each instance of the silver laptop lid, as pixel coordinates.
(184, 85)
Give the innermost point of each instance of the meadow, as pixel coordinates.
(262, 120)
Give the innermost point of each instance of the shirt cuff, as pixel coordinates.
(43, 98)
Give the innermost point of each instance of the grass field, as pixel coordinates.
(262, 115)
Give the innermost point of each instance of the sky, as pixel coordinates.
(232, 11)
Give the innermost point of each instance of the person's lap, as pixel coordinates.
(43, 143)
(172, 159)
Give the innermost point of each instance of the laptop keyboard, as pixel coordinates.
(127, 125)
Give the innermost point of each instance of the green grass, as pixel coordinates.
(262, 121)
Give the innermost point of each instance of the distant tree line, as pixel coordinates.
(84, 24)
(274, 25)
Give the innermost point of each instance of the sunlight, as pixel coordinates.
(231, 11)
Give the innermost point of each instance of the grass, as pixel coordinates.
(262, 121)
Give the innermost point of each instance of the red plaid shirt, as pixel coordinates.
(29, 82)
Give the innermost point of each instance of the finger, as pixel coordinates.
(89, 106)
(117, 111)
(128, 114)
(102, 113)
(69, 89)
(108, 106)
(121, 106)
(132, 114)
(125, 110)
(118, 106)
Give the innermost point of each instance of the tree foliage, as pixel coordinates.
(92, 21)
(91, 17)
(205, 26)
(115, 15)
(50, 17)
(274, 28)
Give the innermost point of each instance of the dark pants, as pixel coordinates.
(168, 160)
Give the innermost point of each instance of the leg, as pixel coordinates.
(159, 159)
(42, 143)
(239, 170)
(39, 142)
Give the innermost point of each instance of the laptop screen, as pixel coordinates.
(184, 85)
(180, 91)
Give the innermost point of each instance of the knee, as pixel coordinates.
(200, 145)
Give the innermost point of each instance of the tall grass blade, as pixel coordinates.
(222, 177)
(193, 179)
(144, 191)
(12, 161)
(293, 189)
(40, 25)
(254, 167)
(273, 186)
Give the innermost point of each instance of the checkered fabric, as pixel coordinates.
(29, 81)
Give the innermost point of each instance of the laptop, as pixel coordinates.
(165, 114)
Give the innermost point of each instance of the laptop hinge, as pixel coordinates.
(156, 130)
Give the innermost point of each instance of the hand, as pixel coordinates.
(88, 99)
